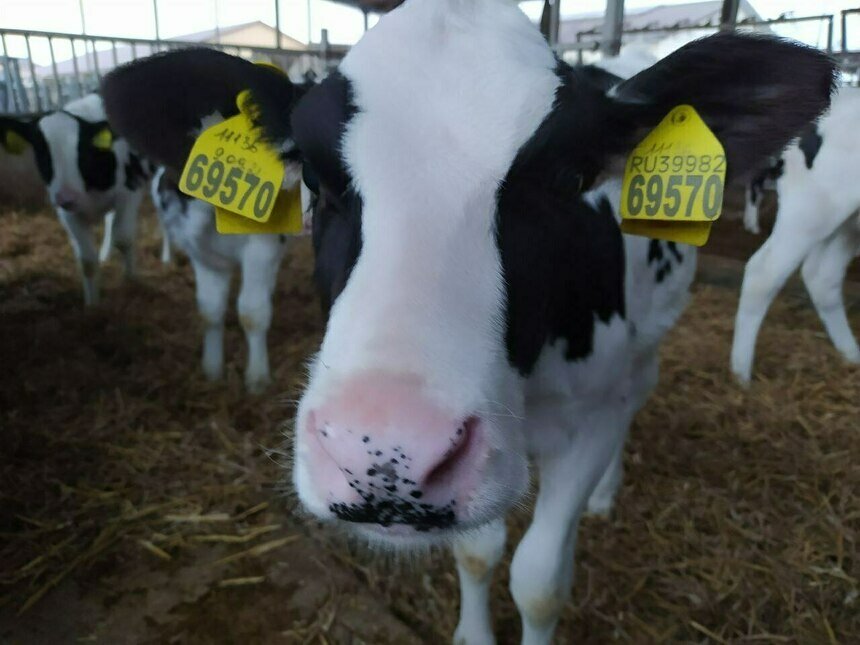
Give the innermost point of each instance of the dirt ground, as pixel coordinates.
(141, 504)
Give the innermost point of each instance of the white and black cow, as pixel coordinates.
(485, 307)
(817, 226)
(88, 173)
(190, 225)
(168, 133)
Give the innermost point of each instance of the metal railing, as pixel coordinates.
(27, 88)
(589, 40)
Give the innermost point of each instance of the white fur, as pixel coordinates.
(818, 226)
(61, 134)
(190, 226)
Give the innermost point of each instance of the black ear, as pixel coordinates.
(755, 93)
(16, 136)
(319, 121)
(159, 102)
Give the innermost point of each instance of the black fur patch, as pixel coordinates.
(30, 132)
(810, 144)
(97, 166)
(319, 121)
(755, 92)
(171, 93)
(135, 173)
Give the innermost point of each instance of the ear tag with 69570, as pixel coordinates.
(674, 181)
(233, 169)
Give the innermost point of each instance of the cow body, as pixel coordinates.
(190, 225)
(88, 173)
(484, 308)
(817, 227)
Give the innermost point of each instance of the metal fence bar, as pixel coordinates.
(59, 100)
(45, 88)
(33, 74)
(11, 98)
(75, 66)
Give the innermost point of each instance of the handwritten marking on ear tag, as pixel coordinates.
(674, 181)
(231, 167)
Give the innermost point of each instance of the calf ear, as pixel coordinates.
(16, 136)
(755, 93)
(159, 103)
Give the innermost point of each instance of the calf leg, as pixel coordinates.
(542, 568)
(751, 206)
(793, 237)
(125, 229)
(213, 290)
(165, 247)
(824, 274)
(477, 554)
(646, 374)
(84, 246)
(261, 259)
(107, 240)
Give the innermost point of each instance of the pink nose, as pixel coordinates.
(381, 453)
(67, 198)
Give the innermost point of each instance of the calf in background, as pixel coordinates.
(88, 172)
(817, 227)
(190, 225)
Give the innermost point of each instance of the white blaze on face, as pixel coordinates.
(427, 150)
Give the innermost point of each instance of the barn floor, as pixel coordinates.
(141, 504)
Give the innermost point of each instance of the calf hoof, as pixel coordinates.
(257, 384)
(213, 372)
(600, 506)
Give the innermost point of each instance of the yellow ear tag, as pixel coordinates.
(103, 140)
(286, 217)
(14, 143)
(233, 169)
(674, 181)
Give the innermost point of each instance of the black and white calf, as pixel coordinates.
(485, 307)
(171, 95)
(190, 225)
(817, 226)
(88, 173)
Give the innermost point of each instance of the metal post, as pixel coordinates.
(365, 19)
(78, 81)
(844, 20)
(830, 35)
(554, 22)
(310, 28)
(155, 16)
(613, 24)
(277, 24)
(33, 75)
(324, 45)
(729, 15)
(217, 22)
(7, 65)
(59, 101)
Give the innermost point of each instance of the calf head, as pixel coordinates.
(74, 153)
(454, 156)
(456, 234)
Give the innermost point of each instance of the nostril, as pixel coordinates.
(455, 457)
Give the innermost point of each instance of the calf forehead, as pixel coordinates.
(446, 95)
